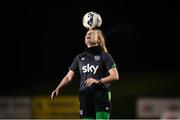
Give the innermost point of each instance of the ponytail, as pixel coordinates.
(101, 41)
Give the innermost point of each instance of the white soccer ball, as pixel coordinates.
(92, 20)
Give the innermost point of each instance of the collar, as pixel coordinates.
(93, 50)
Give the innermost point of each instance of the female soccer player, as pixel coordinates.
(97, 69)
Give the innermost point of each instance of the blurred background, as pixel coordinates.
(142, 37)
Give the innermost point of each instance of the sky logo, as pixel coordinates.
(90, 68)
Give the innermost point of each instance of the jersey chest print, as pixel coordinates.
(90, 68)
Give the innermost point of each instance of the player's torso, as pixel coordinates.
(91, 65)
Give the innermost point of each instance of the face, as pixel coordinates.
(91, 38)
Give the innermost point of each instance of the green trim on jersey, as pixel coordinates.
(114, 65)
(109, 96)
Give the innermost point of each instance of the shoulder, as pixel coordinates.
(105, 54)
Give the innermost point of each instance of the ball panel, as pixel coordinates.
(92, 20)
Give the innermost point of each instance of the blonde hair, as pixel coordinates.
(101, 41)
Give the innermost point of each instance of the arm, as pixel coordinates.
(113, 75)
(63, 83)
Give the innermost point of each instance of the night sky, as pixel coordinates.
(141, 36)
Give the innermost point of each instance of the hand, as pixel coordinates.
(54, 93)
(91, 81)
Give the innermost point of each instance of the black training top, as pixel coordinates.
(92, 64)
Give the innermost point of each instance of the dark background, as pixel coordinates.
(143, 38)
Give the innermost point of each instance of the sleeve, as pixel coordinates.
(109, 61)
(74, 65)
